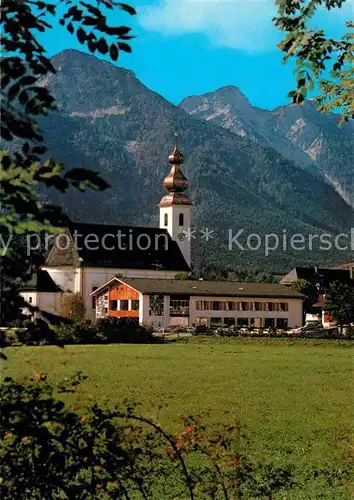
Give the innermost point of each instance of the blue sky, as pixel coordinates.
(188, 47)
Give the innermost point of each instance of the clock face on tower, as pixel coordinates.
(181, 236)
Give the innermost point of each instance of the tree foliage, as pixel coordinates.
(16, 267)
(24, 99)
(310, 291)
(317, 54)
(25, 170)
(73, 307)
(340, 303)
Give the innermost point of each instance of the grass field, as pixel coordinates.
(296, 400)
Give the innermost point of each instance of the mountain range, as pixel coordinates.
(284, 171)
(313, 140)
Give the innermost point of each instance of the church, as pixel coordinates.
(87, 255)
(131, 272)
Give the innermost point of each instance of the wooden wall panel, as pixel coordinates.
(123, 314)
(123, 292)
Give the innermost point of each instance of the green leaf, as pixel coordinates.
(113, 52)
(124, 46)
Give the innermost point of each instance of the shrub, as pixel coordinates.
(84, 332)
(105, 331)
(113, 330)
(31, 333)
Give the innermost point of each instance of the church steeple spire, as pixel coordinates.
(176, 157)
(175, 182)
(175, 205)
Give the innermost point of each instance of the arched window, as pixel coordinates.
(181, 220)
(165, 220)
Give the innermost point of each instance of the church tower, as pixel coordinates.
(175, 206)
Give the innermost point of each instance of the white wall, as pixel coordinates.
(68, 278)
(31, 298)
(295, 312)
(144, 309)
(175, 229)
(293, 315)
(46, 301)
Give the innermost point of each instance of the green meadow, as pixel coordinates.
(295, 399)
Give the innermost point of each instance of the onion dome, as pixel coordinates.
(176, 157)
(174, 199)
(175, 182)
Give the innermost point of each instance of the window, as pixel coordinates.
(203, 305)
(231, 306)
(269, 322)
(242, 322)
(93, 302)
(245, 306)
(282, 323)
(179, 305)
(135, 305)
(216, 306)
(215, 321)
(181, 219)
(123, 306)
(202, 321)
(30, 300)
(113, 305)
(282, 306)
(156, 305)
(257, 306)
(165, 220)
(270, 306)
(229, 321)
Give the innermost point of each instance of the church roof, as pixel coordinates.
(40, 281)
(205, 288)
(121, 247)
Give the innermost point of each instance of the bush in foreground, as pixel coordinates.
(105, 331)
(51, 451)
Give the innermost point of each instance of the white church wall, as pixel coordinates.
(31, 298)
(49, 302)
(68, 278)
(45, 301)
(171, 215)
